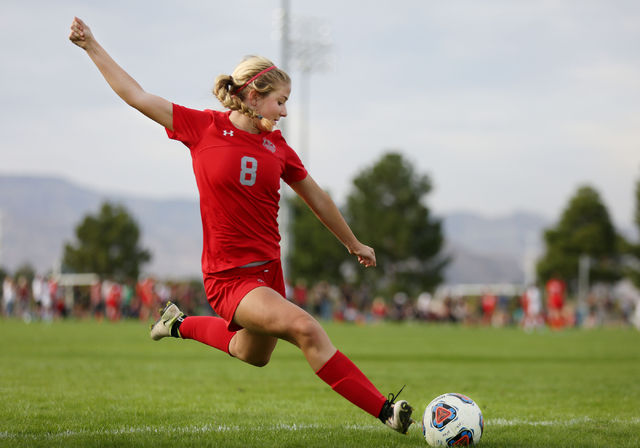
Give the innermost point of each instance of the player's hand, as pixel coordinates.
(80, 34)
(366, 255)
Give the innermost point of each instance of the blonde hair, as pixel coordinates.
(232, 91)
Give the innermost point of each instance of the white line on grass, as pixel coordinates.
(282, 427)
(572, 422)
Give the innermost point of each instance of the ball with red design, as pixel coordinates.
(452, 420)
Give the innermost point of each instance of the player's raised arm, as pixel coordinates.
(154, 107)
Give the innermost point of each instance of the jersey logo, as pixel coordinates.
(267, 144)
(229, 133)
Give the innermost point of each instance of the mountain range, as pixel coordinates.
(39, 214)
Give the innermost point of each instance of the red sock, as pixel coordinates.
(208, 330)
(345, 378)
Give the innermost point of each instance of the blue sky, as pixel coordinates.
(508, 106)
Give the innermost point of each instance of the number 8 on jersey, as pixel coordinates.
(248, 172)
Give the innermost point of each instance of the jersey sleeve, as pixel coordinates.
(189, 125)
(294, 169)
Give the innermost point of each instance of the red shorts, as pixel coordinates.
(225, 290)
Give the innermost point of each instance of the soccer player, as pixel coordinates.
(238, 161)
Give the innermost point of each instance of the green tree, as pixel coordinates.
(316, 253)
(386, 211)
(107, 244)
(585, 228)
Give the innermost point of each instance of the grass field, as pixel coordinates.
(100, 384)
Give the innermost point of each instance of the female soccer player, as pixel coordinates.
(238, 161)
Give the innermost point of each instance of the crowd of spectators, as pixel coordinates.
(45, 299)
(42, 298)
(531, 308)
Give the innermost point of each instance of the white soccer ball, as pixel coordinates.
(452, 420)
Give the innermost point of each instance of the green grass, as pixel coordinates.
(88, 384)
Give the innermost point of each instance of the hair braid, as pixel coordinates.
(226, 86)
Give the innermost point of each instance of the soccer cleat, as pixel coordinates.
(397, 416)
(169, 315)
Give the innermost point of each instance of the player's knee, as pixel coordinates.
(306, 330)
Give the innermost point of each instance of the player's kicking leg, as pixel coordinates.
(264, 311)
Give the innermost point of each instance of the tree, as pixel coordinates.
(317, 254)
(107, 244)
(386, 211)
(585, 228)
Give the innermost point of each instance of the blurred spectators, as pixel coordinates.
(458, 305)
(8, 296)
(37, 291)
(556, 290)
(145, 292)
(46, 299)
(423, 305)
(489, 303)
(96, 301)
(22, 296)
(300, 293)
(379, 309)
(113, 301)
(323, 301)
(532, 308)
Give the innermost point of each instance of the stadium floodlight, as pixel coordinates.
(306, 46)
(310, 44)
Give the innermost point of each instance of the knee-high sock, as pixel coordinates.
(208, 330)
(345, 378)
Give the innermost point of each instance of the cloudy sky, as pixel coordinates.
(508, 106)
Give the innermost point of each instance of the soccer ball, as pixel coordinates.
(452, 420)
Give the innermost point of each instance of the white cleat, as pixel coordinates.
(168, 316)
(397, 416)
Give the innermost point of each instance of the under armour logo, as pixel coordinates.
(229, 133)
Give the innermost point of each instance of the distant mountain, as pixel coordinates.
(491, 250)
(40, 215)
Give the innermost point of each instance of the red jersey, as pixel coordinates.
(238, 176)
(555, 290)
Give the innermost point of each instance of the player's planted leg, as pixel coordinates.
(396, 415)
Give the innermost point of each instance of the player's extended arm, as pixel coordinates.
(154, 107)
(327, 212)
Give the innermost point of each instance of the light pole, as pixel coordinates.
(310, 52)
(305, 43)
(305, 47)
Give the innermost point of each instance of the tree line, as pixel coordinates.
(386, 209)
